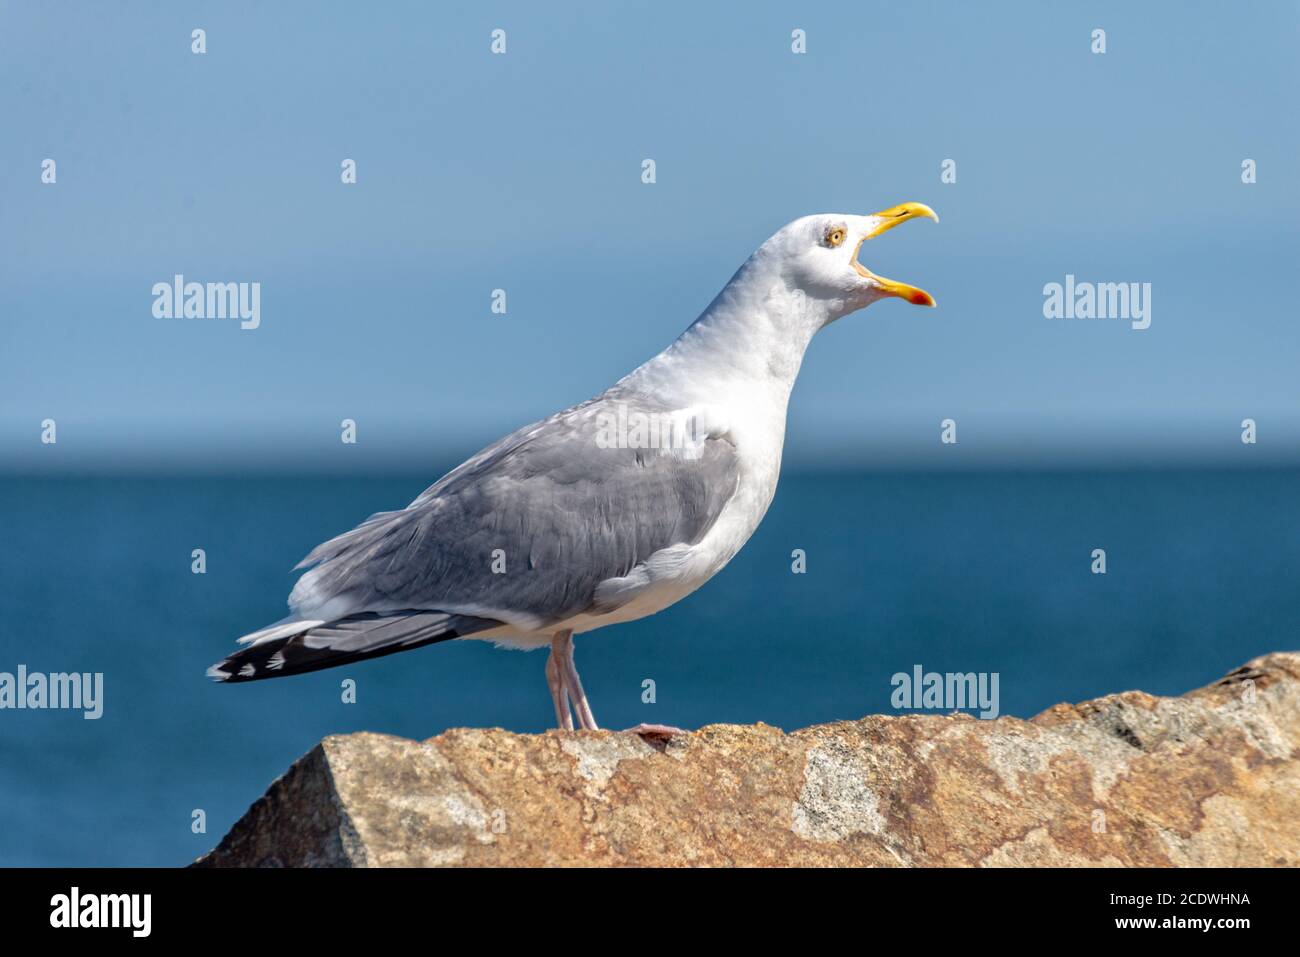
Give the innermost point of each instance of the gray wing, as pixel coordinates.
(561, 508)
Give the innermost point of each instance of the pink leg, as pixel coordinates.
(562, 648)
(559, 696)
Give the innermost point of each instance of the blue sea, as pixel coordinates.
(983, 572)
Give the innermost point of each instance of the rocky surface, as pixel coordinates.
(1209, 778)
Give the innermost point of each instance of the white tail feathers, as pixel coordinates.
(281, 629)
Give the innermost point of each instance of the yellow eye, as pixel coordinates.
(835, 236)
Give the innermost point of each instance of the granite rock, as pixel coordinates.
(1208, 778)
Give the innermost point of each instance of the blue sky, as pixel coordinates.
(522, 172)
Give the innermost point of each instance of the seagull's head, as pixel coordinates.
(818, 256)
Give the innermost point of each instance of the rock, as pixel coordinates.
(1209, 778)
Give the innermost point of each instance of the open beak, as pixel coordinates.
(887, 220)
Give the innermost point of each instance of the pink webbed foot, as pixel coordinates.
(655, 733)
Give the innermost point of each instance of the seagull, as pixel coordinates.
(603, 513)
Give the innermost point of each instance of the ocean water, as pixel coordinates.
(985, 572)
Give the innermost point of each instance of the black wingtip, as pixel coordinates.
(292, 655)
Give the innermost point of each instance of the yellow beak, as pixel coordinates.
(901, 213)
(889, 218)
